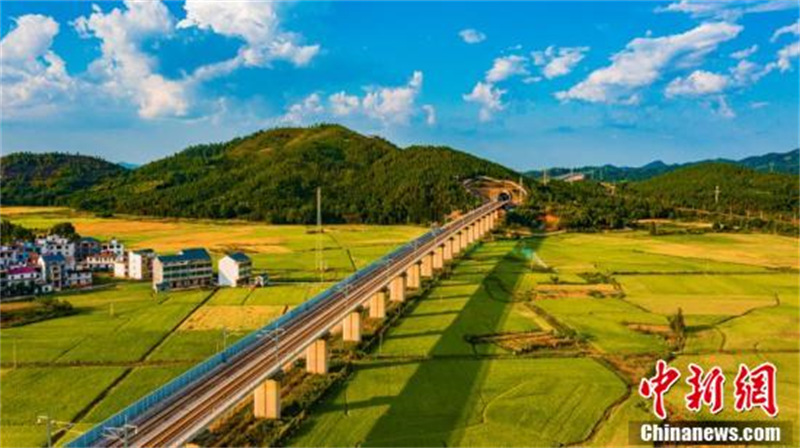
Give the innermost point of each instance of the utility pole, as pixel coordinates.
(320, 260)
(544, 177)
(716, 195)
(49, 422)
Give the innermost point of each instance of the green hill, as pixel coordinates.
(273, 175)
(786, 163)
(742, 190)
(46, 179)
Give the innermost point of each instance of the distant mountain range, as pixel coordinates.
(787, 163)
(269, 176)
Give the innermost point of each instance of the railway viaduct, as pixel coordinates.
(174, 413)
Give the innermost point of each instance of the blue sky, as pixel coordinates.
(527, 84)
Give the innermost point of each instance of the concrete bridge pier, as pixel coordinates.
(470, 234)
(463, 236)
(447, 250)
(351, 326)
(456, 243)
(267, 400)
(377, 305)
(317, 357)
(426, 267)
(438, 258)
(397, 289)
(412, 277)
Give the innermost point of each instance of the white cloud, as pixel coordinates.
(726, 10)
(488, 97)
(792, 28)
(745, 52)
(298, 113)
(644, 60)
(472, 36)
(390, 105)
(791, 51)
(505, 67)
(343, 104)
(393, 104)
(758, 104)
(32, 75)
(124, 69)
(558, 61)
(699, 83)
(723, 108)
(256, 23)
(430, 114)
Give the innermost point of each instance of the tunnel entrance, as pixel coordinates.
(504, 196)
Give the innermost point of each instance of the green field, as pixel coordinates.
(125, 341)
(429, 387)
(426, 384)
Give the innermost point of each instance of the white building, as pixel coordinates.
(121, 269)
(79, 278)
(140, 264)
(104, 261)
(9, 255)
(234, 270)
(113, 246)
(54, 267)
(58, 245)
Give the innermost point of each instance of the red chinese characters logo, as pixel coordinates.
(753, 388)
(756, 388)
(705, 389)
(658, 385)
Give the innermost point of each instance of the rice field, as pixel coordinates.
(426, 384)
(128, 341)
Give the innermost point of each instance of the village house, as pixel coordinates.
(121, 268)
(54, 267)
(140, 263)
(103, 261)
(78, 278)
(58, 245)
(189, 268)
(20, 280)
(113, 246)
(87, 246)
(234, 270)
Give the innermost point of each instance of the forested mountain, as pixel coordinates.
(46, 179)
(787, 163)
(747, 199)
(741, 190)
(273, 175)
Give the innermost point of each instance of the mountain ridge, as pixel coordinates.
(272, 175)
(779, 162)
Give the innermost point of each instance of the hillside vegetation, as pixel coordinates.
(786, 163)
(46, 179)
(741, 190)
(747, 200)
(273, 176)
